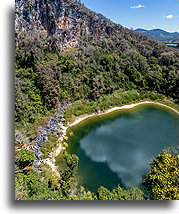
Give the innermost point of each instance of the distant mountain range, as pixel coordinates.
(160, 35)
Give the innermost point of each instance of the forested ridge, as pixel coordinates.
(68, 54)
(160, 35)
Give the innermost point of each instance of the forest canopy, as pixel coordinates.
(79, 58)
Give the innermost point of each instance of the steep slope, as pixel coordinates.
(160, 35)
(69, 24)
(65, 52)
(66, 20)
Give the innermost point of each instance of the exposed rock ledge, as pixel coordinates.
(55, 126)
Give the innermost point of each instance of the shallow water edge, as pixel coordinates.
(82, 118)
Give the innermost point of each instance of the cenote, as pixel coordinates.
(117, 147)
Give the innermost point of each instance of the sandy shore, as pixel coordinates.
(81, 118)
(51, 160)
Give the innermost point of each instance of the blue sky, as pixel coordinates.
(147, 14)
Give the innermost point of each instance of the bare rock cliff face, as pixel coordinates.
(66, 20)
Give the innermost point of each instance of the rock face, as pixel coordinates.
(66, 20)
(54, 126)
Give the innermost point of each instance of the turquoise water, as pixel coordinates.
(117, 148)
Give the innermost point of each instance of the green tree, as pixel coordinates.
(120, 194)
(163, 179)
(104, 194)
(24, 158)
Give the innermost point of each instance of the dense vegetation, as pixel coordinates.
(88, 74)
(118, 98)
(161, 182)
(119, 67)
(163, 179)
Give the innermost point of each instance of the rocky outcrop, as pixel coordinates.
(55, 126)
(66, 20)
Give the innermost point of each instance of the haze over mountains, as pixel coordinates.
(160, 35)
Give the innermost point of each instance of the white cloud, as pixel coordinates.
(153, 26)
(129, 168)
(137, 6)
(169, 16)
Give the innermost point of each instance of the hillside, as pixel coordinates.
(160, 35)
(70, 24)
(67, 55)
(66, 21)
(102, 56)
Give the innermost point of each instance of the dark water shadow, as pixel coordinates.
(50, 205)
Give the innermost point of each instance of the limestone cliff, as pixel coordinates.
(66, 20)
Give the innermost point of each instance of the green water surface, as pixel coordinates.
(116, 148)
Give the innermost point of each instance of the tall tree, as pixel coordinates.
(163, 179)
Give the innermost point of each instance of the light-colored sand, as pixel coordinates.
(51, 161)
(81, 118)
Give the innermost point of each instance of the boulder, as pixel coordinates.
(39, 154)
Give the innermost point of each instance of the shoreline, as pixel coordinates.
(51, 160)
(129, 106)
